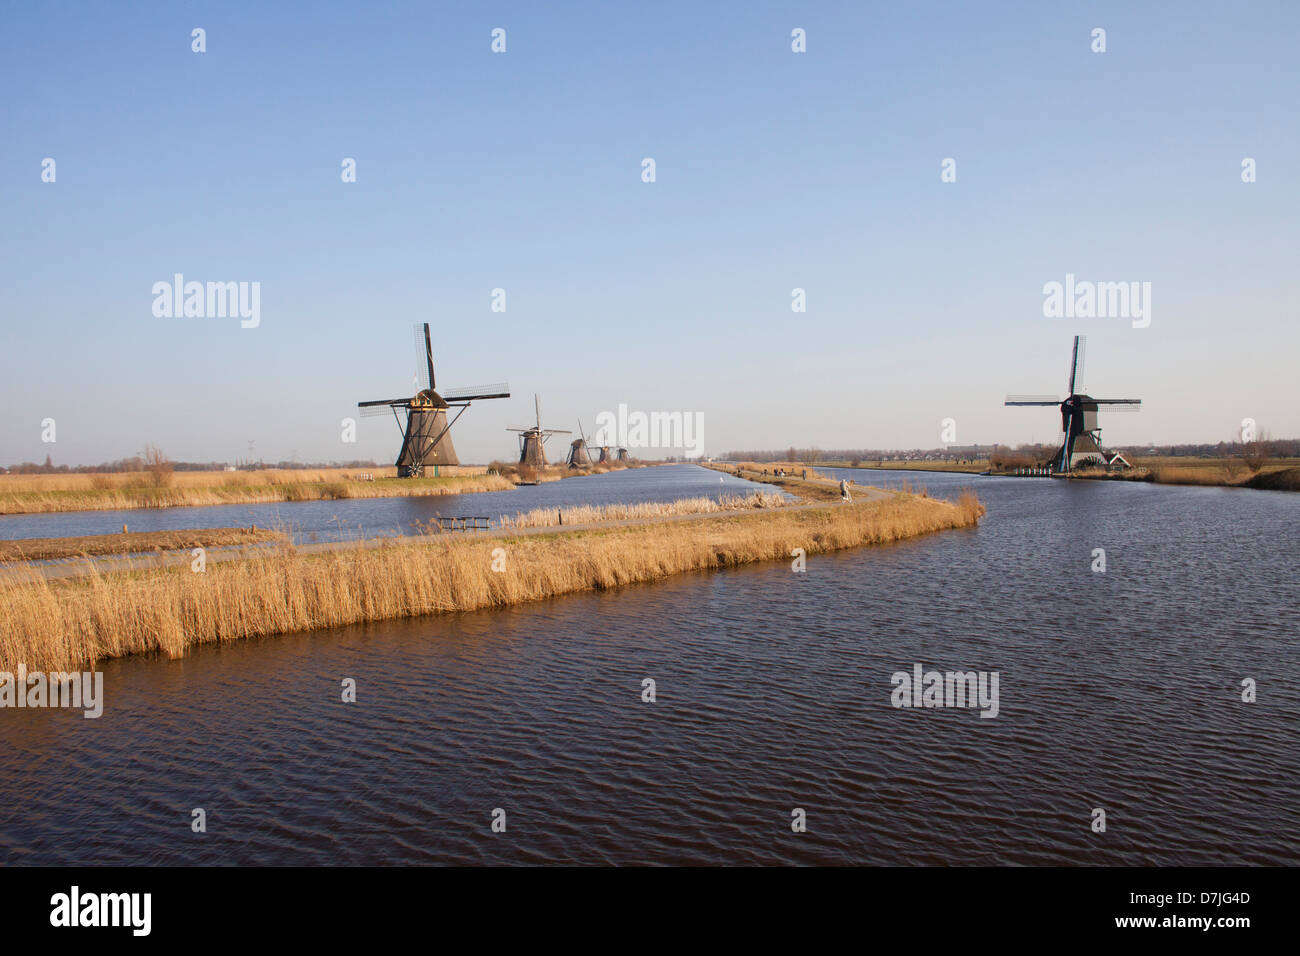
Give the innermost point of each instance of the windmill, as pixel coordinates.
(426, 437)
(578, 457)
(1082, 441)
(604, 455)
(533, 438)
(622, 454)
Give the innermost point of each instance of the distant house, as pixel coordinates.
(1117, 462)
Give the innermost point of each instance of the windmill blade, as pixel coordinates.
(498, 390)
(1076, 364)
(1127, 405)
(580, 432)
(424, 356)
(387, 401)
(428, 354)
(1032, 400)
(538, 403)
(556, 431)
(370, 411)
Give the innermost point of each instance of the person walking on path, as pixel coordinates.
(844, 491)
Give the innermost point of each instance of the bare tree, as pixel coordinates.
(158, 465)
(1255, 453)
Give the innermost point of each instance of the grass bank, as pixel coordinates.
(956, 466)
(134, 542)
(816, 487)
(645, 510)
(37, 494)
(1227, 472)
(61, 624)
(557, 471)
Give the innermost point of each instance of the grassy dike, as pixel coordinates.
(62, 624)
(126, 496)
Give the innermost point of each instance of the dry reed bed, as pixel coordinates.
(58, 624)
(189, 479)
(237, 490)
(591, 514)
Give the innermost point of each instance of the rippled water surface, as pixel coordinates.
(1119, 690)
(365, 517)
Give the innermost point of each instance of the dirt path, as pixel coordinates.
(134, 542)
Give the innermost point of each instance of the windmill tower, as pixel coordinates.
(1081, 444)
(426, 436)
(578, 457)
(532, 440)
(622, 454)
(604, 455)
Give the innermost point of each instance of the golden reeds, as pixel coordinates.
(32, 494)
(57, 624)
(589, 514)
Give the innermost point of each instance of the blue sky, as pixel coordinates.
(522, 171)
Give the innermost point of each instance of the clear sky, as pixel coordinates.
(523, 171)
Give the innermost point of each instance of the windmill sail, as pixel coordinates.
(532, 440)
(1081, 432)
(426, 438)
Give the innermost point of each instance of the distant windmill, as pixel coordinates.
(578, 457)
(533, 438)
(426, 437)
(622, 454)
(604, 455)
(1082, 441)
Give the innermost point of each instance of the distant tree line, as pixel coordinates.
(1025, 454)
(154, 461)
(859, 455)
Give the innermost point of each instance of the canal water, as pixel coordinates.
(369, 517)
(1119, 691)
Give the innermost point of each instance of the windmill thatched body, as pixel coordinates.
(1081, 442)
(578, 455)
(426, 437)
(604, 455)
(532, 440)
(622, 454)
(427, 441)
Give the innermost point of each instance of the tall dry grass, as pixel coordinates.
(34, 494)
(1227, 471)
(63, 623)
(14, 484)
(591, 514)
